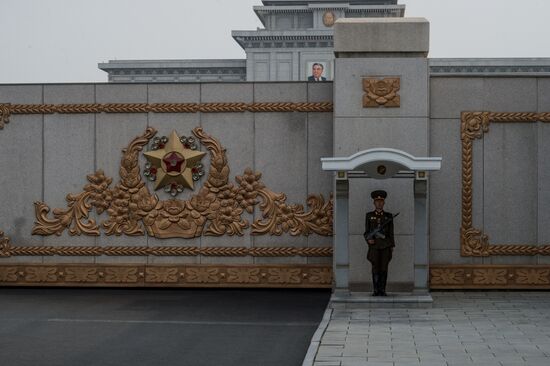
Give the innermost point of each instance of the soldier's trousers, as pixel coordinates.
(379, 258)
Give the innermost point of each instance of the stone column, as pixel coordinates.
(341, 233)
(421, 251)
(390, 54)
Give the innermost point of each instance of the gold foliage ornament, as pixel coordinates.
(215, 210)
(4, 114)
(488, 276)
(381, 92)
(173, 164)
(151, 275)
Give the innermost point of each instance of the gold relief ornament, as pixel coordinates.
(215, 210)
(447, 276)
(329, 18)
(381, 92)
(5, 245)
(174, 163)
(4, 114)
(150, 275)
(488, 276)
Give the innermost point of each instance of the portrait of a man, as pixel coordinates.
(317, 71)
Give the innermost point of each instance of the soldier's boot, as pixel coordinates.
(375, 283)
(382, 284)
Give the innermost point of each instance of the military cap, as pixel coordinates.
(379, 194)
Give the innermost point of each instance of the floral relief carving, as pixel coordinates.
(95, 194)
(121, 274)
(487, 276)
(183, 275)
(490, 276)
(41, 274)
(203, 275)
(161, 275)
(243, 275)
(216, 209)
(381, 92)
(533, 276)
(320, 276)
(284, 275)
(81, 274)
(447, 276)
(8, 274)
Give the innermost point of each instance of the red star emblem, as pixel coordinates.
(173, 162)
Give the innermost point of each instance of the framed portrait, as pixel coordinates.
(318, 71)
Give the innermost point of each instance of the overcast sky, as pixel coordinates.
(63, 40)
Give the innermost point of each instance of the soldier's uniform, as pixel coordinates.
(380, 253)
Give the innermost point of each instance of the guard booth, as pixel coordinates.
(380, 163)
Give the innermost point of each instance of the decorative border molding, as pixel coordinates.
(473, 242)
(7, 249)
(443, 67)
(489, 277)
(7, 109)
(97, 275)
(476, 70)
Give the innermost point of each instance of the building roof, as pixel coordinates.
(350, 2)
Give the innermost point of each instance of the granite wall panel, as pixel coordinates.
(413, 73)
(451, 96)
(69, 155)
(356, 134)
(21, 159)
(510, 183)
(445, 194)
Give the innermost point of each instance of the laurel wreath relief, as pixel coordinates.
(215, 210)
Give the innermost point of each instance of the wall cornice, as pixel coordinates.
(490, 67)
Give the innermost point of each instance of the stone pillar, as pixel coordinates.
(421, 250)
(341, 233)
(390, 55)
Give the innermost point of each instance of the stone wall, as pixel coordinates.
(510, 169)
(44, 157)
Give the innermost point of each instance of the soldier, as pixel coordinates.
(379, 237)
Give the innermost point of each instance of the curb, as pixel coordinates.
(316, 339)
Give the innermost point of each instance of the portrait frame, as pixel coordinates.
(327, 69)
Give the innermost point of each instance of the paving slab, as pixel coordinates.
(459, 328)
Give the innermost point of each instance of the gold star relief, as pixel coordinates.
(174, 162)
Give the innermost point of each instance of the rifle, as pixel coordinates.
(377, 232)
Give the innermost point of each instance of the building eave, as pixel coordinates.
(281, 36)
(172, 64)
(515, 67)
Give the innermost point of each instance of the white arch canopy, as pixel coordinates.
(381, 163)
(365, 158)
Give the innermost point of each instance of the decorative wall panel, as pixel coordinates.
(473, 241)
(92, 275)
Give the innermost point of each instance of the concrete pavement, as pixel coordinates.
(161, 327)
(461, 328)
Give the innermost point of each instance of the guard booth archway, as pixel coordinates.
(380, 163)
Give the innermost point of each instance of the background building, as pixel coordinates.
(297, 34)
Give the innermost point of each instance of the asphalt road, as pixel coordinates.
(80, 327)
